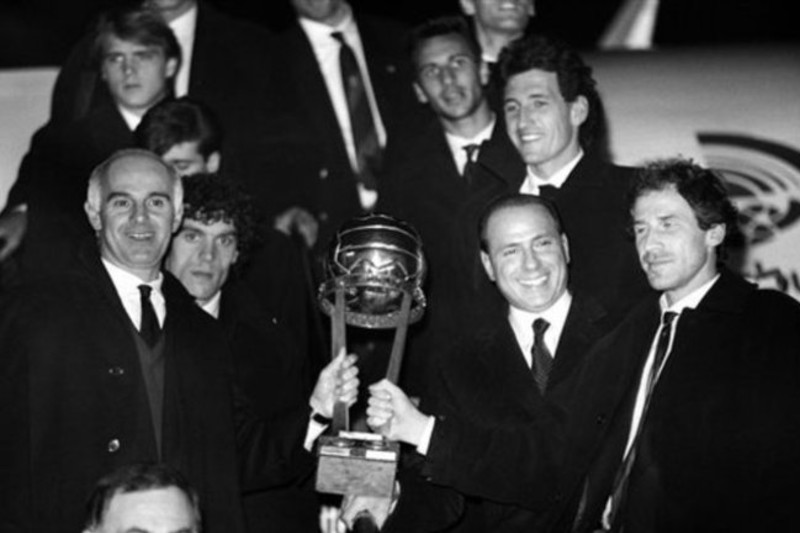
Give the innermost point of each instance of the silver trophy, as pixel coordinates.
(375, 268)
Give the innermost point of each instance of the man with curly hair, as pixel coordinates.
(217, 237)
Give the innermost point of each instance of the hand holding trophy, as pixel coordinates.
(375, 268)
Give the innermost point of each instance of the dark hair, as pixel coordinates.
(550, 54)
(175, 121)
(439, 27)
(137, 477)
(210, 198)
(137, 24)
(511, 200)
(702, 189)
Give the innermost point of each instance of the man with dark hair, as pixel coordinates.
(136, 56)
(552, 111)
(225, 65)
(185, 133)
(516, 371)
(433, 175)
(495, 24)
(143, 497)
(110, 361)
(687, 416)
(218, 233)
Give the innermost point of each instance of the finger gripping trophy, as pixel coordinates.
(374, 268)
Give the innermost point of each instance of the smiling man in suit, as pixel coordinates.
(518, 370)
(110, 361)
(432, 174)
(691, 415)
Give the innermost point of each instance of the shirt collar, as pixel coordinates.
(555, 314)
(212, 306)
(457, 143)
(320, 34)
(131, 119)
(559, 177)
(183, 26)
(127, 283)
(690, 301)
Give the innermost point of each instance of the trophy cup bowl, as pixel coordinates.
(376, 259)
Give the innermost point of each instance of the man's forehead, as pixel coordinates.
(217, 224)
(114, 43)
(510, 220)
(449, 44)
(138, 170)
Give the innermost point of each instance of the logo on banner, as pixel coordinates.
(763, 178)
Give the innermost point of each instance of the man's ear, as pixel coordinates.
(483, 72)
(579, 111)
(212, 162)
(420, 94)
(715, 235)
(176, 221)
(565, 244)
(171, 67)
(487, 265)
(93, 215)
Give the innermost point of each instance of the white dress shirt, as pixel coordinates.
(127, 286)
(690, 301)
(457, 145)
(326, 50)
(184, 29)
(533, 182)
(522, 325)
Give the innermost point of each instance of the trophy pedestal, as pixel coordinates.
(357, 463)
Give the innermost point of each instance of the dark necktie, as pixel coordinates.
(469, 166)
(619, 492)
(548, 191)
(365, 136)
(542, 359)
(149, 329)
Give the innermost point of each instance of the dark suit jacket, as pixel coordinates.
(720, 448)
(592, 205)
(425, 189)
(306, 153)
(52, 180)
(74, 405)
(491, 436)
(229, 73)
(272, 370)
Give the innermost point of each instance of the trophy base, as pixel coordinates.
(356, 463)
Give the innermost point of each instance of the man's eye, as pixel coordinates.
(227, 241)
(120, 203)
(157, 203)
(429, 72)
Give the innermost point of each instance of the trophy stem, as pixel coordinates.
(341, 418)
(399, 344)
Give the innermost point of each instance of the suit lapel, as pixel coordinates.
(581, 330)
(317, 103)
(506, 368)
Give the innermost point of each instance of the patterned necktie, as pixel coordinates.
(149, 329)
(469, 166)
(365, 136)
(542, 359)
(620, 488)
